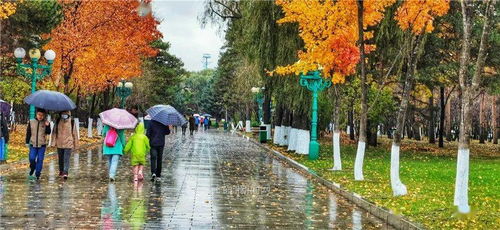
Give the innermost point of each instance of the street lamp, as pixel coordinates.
(123, 90)
(314, 83)
(259, 98)
(30, 70)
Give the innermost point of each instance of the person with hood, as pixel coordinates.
(156, 134)
(4, 138)
(138, 146)
(36, 140)
(65, 139)
(115, 151)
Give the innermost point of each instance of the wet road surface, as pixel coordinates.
(213, 180)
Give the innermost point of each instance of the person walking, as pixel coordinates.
(138, 146)
(65, 139)
(36, 140)
(196, 123)
(206, 122)
(4, 138)
(114, 143)
(192, 125)
(156, 134)
(184, 127)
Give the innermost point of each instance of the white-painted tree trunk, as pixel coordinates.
(337, 163)
(52, 129)
(348, 129)
(248, 126)
(358, 163)
(302, 141)
(462, 181)
(77, 127)
(276, 137)
(285, 136)
(89, 128)
(268, 130)
(290, 139)
(99, 126)
(398, 188)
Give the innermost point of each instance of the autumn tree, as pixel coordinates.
(469, 86)
(416, 17)
(100, 42)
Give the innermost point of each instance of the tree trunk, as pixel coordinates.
(441, 116)
(77, 110)
(285, 124)
(398, 187)
(468, 89)
(448, 119)
(92, 105)
(350, 121)
(483, 127)
(278, 116)
(494, 118)
(337, 163)
(360, 154)
(432, 122)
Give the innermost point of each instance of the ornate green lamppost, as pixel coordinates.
(315, 83)
(259, 98)
(123, 90)
(31, 70)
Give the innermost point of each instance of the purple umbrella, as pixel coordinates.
(4, 108)
(118, 119)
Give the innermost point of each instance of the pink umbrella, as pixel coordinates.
(118, 119)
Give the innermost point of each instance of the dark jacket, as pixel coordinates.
(4, 130)
(191, 123)
(156, 134)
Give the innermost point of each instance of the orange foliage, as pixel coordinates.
(330, 33)
(330, 30)
(100, 42)
(418, 15)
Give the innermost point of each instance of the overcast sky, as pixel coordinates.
(181, 28)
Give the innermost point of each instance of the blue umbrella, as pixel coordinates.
(166, 115)
(50, 100)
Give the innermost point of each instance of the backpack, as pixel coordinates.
(111, 137)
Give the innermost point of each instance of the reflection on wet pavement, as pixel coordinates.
(213, 180)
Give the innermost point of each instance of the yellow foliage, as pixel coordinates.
(7, 9)
(418, 15)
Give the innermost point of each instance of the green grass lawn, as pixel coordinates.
(430, 181)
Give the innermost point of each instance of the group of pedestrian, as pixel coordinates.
(148, 138)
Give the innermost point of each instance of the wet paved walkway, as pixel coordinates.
(214, 180)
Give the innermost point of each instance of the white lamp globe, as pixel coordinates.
(19, 53)
(129, 85)
(50, 55)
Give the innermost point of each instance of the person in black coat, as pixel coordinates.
(156, 134)
(192, 125)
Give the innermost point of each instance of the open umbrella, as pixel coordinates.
(166, 115)
(206, 115)
(4, 108)
(50, 100)
(196, 115)
(118, 119)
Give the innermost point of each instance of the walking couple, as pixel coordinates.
(64, 138)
